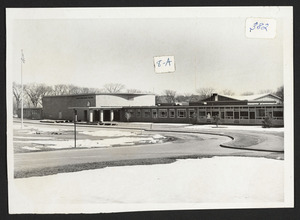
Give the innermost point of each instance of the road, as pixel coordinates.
(186, 145)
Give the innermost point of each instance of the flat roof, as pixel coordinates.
(94, 94)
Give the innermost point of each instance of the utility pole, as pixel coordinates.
(22, 61)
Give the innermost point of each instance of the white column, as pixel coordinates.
(91, 116)
(111, 115)
(101, 115)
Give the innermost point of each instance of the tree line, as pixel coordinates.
(171, 96)
(33, 93)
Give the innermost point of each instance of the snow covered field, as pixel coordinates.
(229, 180)
(88, 139)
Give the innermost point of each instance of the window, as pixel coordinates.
(163, 113)
(192, 113)
(236, 115)
(202, 114)
(146, 113)
(214, 113)
(244, 115)
(172, 113)
(131, 112)
(154, 113)
(260, 112)
(138, 113)
(229, 115)
(278, 114)
(181, 113)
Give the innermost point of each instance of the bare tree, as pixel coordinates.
(17, 91)
(247, 93)
(113, 87)
(170, 96)
(263, 91)
(60, 89)
(227, 92)
(205, 92)
(133, 91)
(187, 97)
(36, 92)
(73, 90)
(85, 90)
(194, 98)
(280, 92)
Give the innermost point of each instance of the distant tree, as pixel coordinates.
(17, 91)
(188, 98)
(133, 91)
(267, 122)
(217, 120)
(227, 92)
(182, 98)
(247, 93)
(85, 90)
(113, 87)
(280, 92)
(170, 96)
(205, 92)
(36, 92)
(263, 91)
(194, 98)
(60, 89)
(73, 90)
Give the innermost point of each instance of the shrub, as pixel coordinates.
(267, 122)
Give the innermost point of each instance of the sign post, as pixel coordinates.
(75, 120)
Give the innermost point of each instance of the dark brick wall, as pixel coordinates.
(52, 106)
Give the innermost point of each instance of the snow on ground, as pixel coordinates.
(86, 143)
(31, 138)
(109, 133)
(31, 148)
(208, 180)
(33, 130)
(235, 127)
(107, 138)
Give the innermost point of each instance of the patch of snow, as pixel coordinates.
(32, 138)
(108, 133)
(158, 136)
(229, 180)
(31, 148)
(107, 142)
(235, 127)
(34, 130)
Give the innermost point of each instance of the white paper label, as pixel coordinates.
(164, 64)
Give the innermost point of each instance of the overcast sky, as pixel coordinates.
(209, 52)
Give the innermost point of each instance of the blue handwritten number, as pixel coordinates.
(260, 26)
(251, 29)
(158, 63)
(265, 27)
(168, 62)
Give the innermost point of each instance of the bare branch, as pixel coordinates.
(113, 87)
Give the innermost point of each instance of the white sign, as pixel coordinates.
(164, 64)
(260, 28)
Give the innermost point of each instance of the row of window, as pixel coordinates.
(191, 113)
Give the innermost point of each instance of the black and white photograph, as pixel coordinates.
(141, 109)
